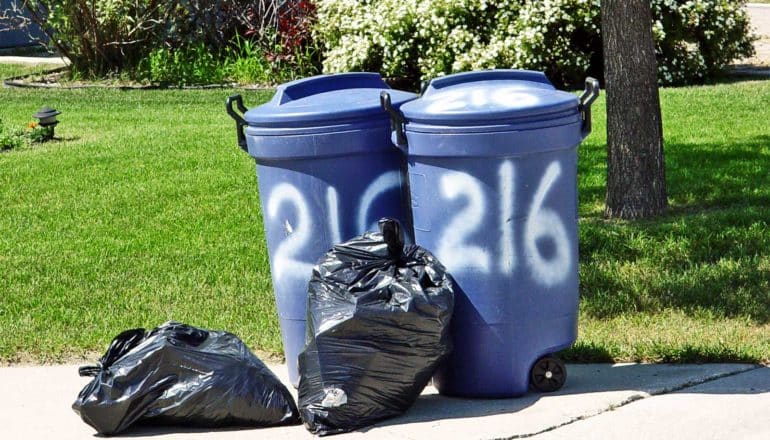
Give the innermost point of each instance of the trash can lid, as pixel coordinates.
(325, 100)
(490, 97)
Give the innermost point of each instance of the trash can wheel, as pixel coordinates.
(548, 374)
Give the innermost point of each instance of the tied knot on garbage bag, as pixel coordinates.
(378, 326)
(180, 375)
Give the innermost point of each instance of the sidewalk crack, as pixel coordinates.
(636, 397)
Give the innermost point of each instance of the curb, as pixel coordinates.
(17, 83)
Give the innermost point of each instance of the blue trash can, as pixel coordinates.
(326, 172)
(492, 168)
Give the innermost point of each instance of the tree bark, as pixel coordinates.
(636, 178)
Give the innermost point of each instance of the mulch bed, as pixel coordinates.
(56, 79)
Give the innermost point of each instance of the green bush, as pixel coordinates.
(11, 139)
(178, 42)
(188, 66)
(426, 38)
(247, 63)
(101, 37)
(15, 138)
(242, 62)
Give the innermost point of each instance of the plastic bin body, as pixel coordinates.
(492, 167)
(326, 172)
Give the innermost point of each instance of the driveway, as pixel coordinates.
(759, 14)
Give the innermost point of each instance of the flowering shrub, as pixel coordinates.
(421, 39)
(695, 39)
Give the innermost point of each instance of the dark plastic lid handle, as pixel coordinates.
(397, 120)
(240, 123)
(588, 97)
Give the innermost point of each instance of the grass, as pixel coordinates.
(147, 211)
(13, 70)
(695, 284)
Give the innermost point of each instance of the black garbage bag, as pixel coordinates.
(181, 375)
(378, 320)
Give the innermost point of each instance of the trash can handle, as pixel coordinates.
(397, 120)
(239, 121)
(588, 97)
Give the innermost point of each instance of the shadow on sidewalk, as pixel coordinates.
(585, 379)
(630, 381)
(154, 431)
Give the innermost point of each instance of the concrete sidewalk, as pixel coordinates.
(35, 60)
(629, 401)
(759, 17)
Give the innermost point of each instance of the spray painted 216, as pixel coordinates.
(458, 253)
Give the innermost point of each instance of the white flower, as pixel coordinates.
(444, 36)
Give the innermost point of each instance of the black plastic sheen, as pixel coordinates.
(378, 321)
(181, 375)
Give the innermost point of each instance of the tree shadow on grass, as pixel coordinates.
(594, 352)
(717, 175)
(710, 251)
(704, 175)
(744, 73)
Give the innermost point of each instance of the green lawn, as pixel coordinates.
(148, 211)
(13, 70)
(694, 285)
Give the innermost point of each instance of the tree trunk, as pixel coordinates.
(636, 177)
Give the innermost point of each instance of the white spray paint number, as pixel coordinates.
(332, 201)
(507, 195)
(452, 249)
(544, 222)
(382, 184)
(541, 223)
(297, 235)
(285, 261)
